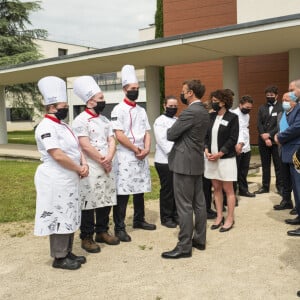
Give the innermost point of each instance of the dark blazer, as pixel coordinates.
(188, 134)
(290, 138)
(227, 135)
(267, 123)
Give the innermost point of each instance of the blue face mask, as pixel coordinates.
(293, 96)
(286, 106)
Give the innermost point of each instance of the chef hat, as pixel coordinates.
(85, 87)
(128, 75)
(53, 89)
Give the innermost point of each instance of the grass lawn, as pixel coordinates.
(17, 191)
(21, 137)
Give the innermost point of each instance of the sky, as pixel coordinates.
(94, 23)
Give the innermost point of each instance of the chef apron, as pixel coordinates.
(99, 188)
(132, 174)
(57, 201)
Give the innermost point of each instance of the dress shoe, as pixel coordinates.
(144, 225)
(105, 237)
(123, 236)
(198, 245)
(295, 221)
(211, 214)
(298, 293)
(89, 245)
(80, 259)
(262, 190)
(223, 229)
(169, 224)
(247, 194)
(283, 205)
(66, 263)
(294, 232)
(216, 226)
(176, 253)
(293, 212)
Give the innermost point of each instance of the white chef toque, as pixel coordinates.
(128, 75)
(53, 90)
(85, 87)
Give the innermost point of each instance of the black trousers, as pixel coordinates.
(287, 185)
(207, 185)
(167, 204)
(243, 162)
(119, 210)
(266, 153)
(61, 244)
(94, 220)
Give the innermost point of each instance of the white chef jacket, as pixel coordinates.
(244, 136)
(132, 174)
(163, 146)
(57, 202)
(98, 189)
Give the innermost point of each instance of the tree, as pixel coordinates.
(17, 46)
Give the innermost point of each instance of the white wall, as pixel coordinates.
(253, 10)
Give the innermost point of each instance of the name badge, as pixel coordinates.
(224, 122)
(274, 114)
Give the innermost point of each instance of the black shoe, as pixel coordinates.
(198, 245)
(294, 232)
(123, 236)
(293, 212)
(80, 259)
(247, 194)
(295, 221)
(169, 224)
(176, 253)
(216, 226)
(144, 225)
(262, 190)
(283, 205)
(223, 229)
(211, 214)
(66, 263)
(298, 293)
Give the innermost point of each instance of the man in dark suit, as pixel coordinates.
(186, 160)
(267, 128)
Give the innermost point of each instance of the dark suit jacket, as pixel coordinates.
(267, 123)
(290, 138)
(227, 135)
(188, 133)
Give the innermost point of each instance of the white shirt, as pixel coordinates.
(244, 136)
(163, 146)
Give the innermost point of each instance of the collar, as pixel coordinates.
(91, 113)
(196, 101)
(53, 119)
(129, 103)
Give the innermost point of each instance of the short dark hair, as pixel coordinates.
(224, 95)
(196, 86)
(168, 98)
(246, 99)
(272, 89)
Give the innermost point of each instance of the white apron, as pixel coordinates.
(99, 188)
(57, 202)
(132, 174)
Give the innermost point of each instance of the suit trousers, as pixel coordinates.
(119, 210)
(296, 187)
(88, 225)
(243, 162)
(167, 204)
(207, 185)
(61, 244)
(265, 155)
(287, 185)
(189, 198)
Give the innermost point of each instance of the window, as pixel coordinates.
(62, 52)
(20, 114)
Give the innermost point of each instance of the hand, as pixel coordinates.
(265, 136)
(268, 143)
(214, 157)
(105, 162)
(276, 139)
(84, 171)
(142, 154)
(238, 148)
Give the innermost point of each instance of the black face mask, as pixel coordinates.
(215, 106)
(183, 100)
(245, 110)
(171, 111)
(132, 94)
(271, 100)
(99, 107)
(61, 113)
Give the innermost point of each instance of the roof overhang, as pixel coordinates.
(268, 36)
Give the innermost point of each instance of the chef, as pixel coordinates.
(98, 190)
(131, 127)
(57, 178)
